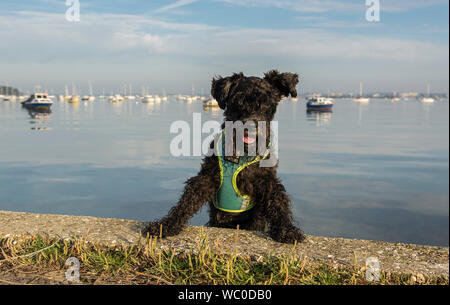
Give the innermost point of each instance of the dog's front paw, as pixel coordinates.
(288, 235)
(161, 229)
(153, 228)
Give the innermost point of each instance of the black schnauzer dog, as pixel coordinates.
(238, 189)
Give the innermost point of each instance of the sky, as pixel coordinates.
(178, 45)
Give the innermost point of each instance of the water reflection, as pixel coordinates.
(39, 118)
(361, 108)
(114, 160)
(72, 107)
(213, 110)
(319, 118)
(149, 108)
(294, 110)
(426, 109)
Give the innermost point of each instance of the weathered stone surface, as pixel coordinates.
(420, 261)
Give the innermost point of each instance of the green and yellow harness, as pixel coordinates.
(228, 198)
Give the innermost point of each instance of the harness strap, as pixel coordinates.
(245, 199)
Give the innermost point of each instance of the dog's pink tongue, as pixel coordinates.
(249, 140)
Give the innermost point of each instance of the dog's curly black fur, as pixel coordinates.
(243, 99)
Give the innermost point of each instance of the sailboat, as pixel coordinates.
(131, 96)
(74, 98)
(190, 99)
(395, 98)
(428, 98)
(8, 97)
(164, 97)
(90, 97)
(148, 99)
(66, 93)
(211, 102)
(361, 98)
(116, 98)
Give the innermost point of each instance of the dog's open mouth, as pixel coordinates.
(249, 139)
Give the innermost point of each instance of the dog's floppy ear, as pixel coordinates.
(221, 88)
(284, 82)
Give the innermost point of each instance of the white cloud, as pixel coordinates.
(396, 6)
(320, 43)
(320, 6)
(174, 5)
(100, 35)
(309, 6)
(97, 35)
(103, 34)
(157, 44)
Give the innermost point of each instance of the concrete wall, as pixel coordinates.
(426, 261)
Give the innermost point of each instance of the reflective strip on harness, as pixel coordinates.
(228, 197)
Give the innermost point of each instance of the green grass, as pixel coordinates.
(144, 264)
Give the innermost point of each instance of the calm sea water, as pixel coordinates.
(376, 171)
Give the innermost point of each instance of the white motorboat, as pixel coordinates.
(320, 104)
(38, 100)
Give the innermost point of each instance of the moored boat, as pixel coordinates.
(211, 102)
(116, 98)
(361, 98)
(38, 101)
(320, 104)
(148, 99)
(88, 98)
(74, 99)
(428, 98)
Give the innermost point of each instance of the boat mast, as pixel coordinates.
(90, 88)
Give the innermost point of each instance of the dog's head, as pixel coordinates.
(252, 98)
(248, 98)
